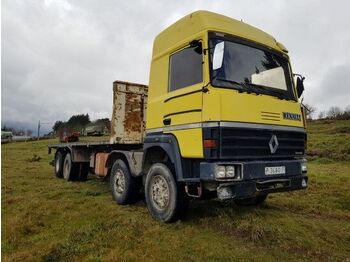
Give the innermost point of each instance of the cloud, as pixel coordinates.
(60, 57)
(334, 87)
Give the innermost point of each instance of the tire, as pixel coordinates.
(59, 156)
(70, 169)
(252, 201)
(124, 187)
(166, 199)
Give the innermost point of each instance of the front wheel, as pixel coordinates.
(166, 199)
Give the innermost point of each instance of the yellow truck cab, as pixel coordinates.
(222, 120)
(223, 110)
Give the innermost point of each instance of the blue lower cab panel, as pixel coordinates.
(252, 178)
(246, 189)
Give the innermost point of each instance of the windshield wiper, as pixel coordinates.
(228, 81)
(269, 91)
(249, 88)
(243, 86)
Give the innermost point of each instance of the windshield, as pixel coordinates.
(251, 69)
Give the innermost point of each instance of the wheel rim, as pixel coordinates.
(119, 182)
(160, 192)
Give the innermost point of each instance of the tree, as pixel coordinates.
(334, 112)
(105, 122)
(309, 110)
(346, 113)
(74, 123)
(78, 121)
(5, 128)
(57, 126)
(322, 115)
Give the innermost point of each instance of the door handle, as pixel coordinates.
(166, 121)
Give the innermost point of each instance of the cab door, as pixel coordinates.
(183, 103)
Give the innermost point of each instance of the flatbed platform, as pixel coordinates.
(102, 145)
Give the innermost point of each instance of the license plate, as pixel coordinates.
(275, 170)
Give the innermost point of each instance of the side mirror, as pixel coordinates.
(218, 56)
(300, 85)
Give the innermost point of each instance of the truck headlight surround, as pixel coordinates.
(229, 172)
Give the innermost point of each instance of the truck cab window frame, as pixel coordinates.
(185, 69)
(276, 60)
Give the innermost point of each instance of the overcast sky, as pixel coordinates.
(60, 57)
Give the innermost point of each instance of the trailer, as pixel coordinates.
(221, 118)
(73, 161)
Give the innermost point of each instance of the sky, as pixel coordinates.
(60, 57)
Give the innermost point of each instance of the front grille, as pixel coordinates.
(245, 143)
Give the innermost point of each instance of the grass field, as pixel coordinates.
(45, 218)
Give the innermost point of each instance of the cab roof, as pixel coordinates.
(200, 21)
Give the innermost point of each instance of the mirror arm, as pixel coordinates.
(301, 76)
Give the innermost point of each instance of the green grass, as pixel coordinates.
(329, 139)
(45, 218)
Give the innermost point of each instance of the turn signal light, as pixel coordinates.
(209, 143)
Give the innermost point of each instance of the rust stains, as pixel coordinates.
(128, 117)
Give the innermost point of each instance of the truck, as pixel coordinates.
(220, 118)
(94, 130)
(6, 136)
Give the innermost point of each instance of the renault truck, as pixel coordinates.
(221, 117)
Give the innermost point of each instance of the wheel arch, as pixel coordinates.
(162, 148)
(114, 156)
(63, 150)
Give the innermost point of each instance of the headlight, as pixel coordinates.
(303, 167)
(230, 171)
(220, 171)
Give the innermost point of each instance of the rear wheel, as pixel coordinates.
(70, 169)
(125, 188)
(251, 201)
(166, 199)
(59, 164)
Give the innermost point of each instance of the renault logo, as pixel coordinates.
(273, 144)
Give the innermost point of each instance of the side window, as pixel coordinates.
(185, 69)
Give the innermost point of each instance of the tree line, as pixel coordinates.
(334, 113)
(78, 123)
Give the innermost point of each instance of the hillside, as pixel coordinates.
(45, 218)
(329, 139)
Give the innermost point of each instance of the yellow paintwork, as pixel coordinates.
(218, 104)
(190, 142)
(230, 105)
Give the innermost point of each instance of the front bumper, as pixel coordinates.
(253, 180)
